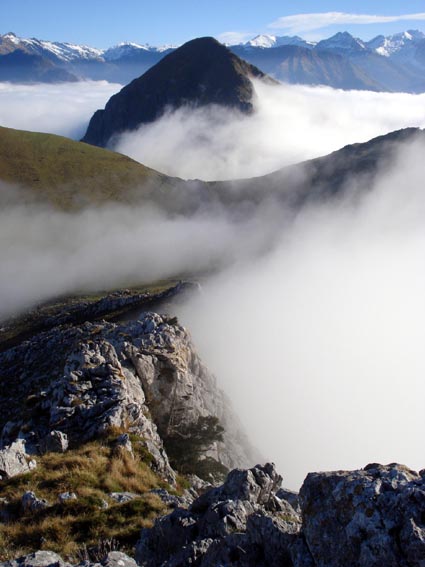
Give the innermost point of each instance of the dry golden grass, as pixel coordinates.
(92, 472)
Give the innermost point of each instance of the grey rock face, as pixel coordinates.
(367, 518)
(239, 523)
(289, 496)
(14, 460)
(143, 376)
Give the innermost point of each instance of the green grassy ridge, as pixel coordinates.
(69, 174)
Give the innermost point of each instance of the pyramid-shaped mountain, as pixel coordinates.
(200, 72)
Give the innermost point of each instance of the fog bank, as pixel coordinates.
(291, 123)
(320, 343)
(63, 108)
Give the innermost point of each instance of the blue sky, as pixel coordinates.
(102, 23)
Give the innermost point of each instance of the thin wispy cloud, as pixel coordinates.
(235, 37)
(298, 23)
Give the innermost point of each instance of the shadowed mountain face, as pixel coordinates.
(199, 73)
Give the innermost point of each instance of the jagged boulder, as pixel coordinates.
(373, 517)
(241, 522)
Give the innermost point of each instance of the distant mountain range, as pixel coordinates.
(392, 63)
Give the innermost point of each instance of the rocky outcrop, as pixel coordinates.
(367, 518)
(198, 73)
(144, 377)
(241, 523)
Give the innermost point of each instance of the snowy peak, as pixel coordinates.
(123, 50)
(65, 52)
(393, 44)
(262, 41)
(129, 49)
(342, 42)
(267, 41)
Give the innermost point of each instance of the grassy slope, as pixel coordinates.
(71, 174)
(91, 471)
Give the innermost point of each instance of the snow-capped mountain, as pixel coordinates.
(69, 52)
(267, 41)
(393, 63)
(65, 52)
(128, 49)
(393, 44)
(342, 42)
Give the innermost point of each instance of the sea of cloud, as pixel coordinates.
(319, 340)
(64, 108)
(319, 343)
(291, 123)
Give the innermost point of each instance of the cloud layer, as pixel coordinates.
(291, 123)
(298, 23)
(320, 343)
(63, 109)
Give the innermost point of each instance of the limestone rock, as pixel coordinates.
(366, 518)
(37, 559)
(141, 376)
(229, 525)
(14, 460)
